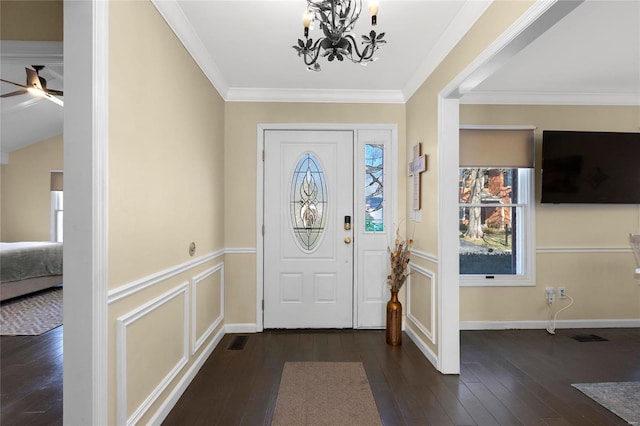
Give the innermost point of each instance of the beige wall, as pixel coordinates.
(241, 121)
(165, 150)
(44, 23)
(166, 130)
(422, 126)
(25, 199)
(581, 247)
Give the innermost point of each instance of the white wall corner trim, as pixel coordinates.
(86, 125)
(429, 332)
(187, 378)
(541, 325)
(428, 353)
(121, 354)
(448, 290)
(128, 289)
(198, 341)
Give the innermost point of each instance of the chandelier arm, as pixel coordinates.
(354, 44)
(316, 51)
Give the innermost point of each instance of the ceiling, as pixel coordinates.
(592, 56)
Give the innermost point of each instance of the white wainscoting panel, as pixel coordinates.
(171, 400)
(122, 325)
(198, 341)
(424, 256)
(128, 289)
(431, 277)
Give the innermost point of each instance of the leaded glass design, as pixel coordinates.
(374, 188)
(308, 201)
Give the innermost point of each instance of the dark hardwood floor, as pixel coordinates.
(507, 378)
(31, 379)
(514, 377)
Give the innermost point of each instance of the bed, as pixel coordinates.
(26, 267)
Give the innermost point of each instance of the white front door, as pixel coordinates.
(308, 254)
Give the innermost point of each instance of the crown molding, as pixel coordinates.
(469, 13)
(172, 13)
(459, 26)
(43, 52)
(550, 98)
(314, 95)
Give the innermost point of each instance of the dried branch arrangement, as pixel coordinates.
(399, 257)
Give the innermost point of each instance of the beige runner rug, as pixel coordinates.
(325, 393)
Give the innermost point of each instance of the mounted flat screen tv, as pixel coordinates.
(590, 167)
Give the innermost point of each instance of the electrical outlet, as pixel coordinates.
(562, 292)
(550, 295)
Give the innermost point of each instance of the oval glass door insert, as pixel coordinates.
(308, 202)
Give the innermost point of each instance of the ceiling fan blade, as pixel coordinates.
(16, 93)
(54, 92)
(33, 80)
(11, 82)
(53, 99)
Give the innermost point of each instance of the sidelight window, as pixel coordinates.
(374, 188)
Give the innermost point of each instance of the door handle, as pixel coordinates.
(347, 240)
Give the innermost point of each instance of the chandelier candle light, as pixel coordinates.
(337, 19)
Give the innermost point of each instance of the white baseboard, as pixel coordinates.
(240, 328)
(508, 325)
(168, 404)
(426, 351)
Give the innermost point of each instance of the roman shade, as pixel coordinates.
(497, 147)
(56, 181)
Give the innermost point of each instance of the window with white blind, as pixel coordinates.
(496, 203)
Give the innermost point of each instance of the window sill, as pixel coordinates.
(497, 281)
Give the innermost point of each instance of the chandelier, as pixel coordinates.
(337, 19)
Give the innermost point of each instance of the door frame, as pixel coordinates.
(261, 129)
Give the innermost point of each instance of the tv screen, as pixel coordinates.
(590, 167)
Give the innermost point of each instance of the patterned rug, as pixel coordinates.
(32, 314)
(622, 398)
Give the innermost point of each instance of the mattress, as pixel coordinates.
(23, 260)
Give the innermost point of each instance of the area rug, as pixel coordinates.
(621, 398)
(33, 314)
(325, 393)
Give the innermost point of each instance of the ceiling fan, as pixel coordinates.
(36, 86)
